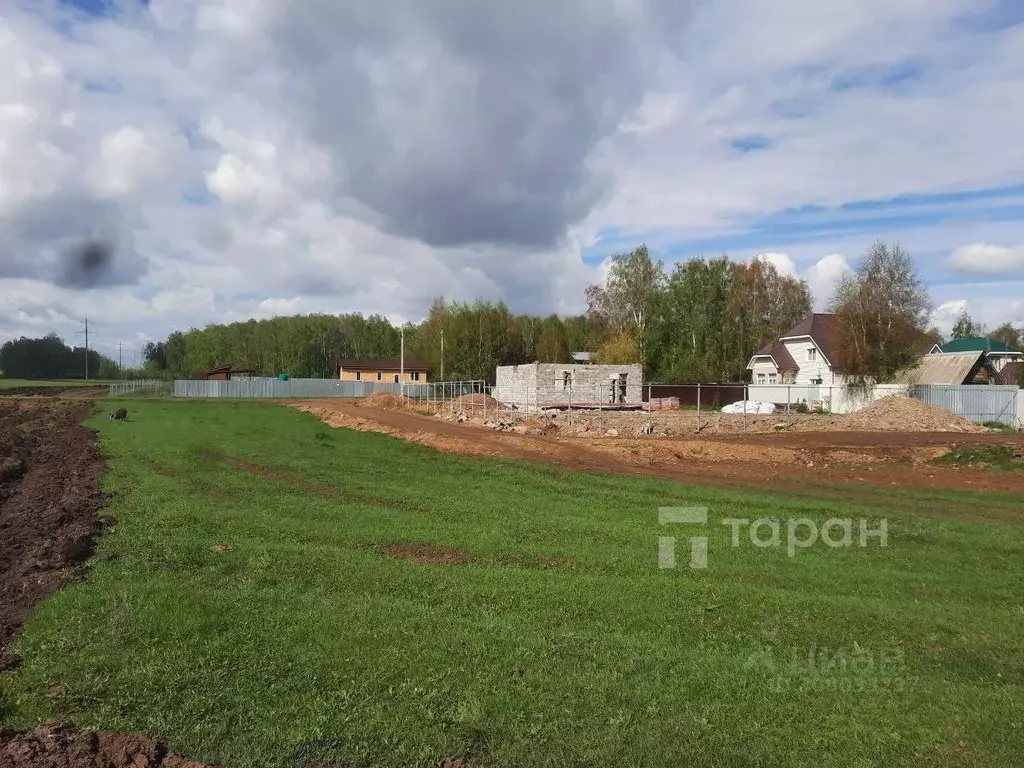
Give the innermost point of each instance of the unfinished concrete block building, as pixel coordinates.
(536, 386)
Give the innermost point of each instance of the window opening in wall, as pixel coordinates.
(622, 387)
(359, 375)
(566, 379)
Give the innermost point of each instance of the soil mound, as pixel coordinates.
(476, 401)
(907, 414)
(57, 746)
(385, 401)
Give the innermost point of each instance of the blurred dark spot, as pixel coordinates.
(86, 263)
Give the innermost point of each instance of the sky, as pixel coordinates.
(230, 159)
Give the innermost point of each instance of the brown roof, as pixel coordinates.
(783, 360)
(821, 328)
(230, 369)
(384, 364)
(1011, 373)
(942, 368)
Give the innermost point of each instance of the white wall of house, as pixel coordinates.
(763, 370)
(1000, 361)
(811, 361)
(837, 398)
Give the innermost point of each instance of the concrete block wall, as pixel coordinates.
(516, 385)
(538, 384)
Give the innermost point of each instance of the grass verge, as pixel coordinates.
(1003, 458)
(280, 593)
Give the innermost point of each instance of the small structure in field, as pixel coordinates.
(539, 386)
(390, 371)
(225, 373)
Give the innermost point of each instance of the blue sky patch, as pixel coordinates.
(812, 224)
(879, 75)
(747, 144)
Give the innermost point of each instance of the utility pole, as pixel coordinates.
(442, 354)
(86, 347)
(401, 365)
(120, 367)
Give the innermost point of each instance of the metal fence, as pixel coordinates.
(299, 389)
(982, 404)
(137, 387)
(979, 403)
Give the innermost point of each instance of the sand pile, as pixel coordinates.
(478, 401)
(901, 414)
(385, 401)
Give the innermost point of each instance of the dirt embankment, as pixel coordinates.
(891, 414)
(50, 497)
(785, 459)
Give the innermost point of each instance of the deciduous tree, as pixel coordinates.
(882, 312)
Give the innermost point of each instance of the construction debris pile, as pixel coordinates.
(891, 414)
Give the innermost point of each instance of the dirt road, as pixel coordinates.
(809, 461)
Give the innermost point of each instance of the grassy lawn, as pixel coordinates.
(558, 642)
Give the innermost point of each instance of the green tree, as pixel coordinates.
(552, 344)
(620, 349)
(965, 327)
(1008, 335)
(629, 296)
(882, 312)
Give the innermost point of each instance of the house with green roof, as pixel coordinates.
(996, 352)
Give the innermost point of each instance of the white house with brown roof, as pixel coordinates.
(800, 356)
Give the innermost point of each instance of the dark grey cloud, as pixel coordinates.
(72, 240)
(462, 122)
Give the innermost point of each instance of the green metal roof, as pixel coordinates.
(976, 344)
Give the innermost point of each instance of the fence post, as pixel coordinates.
(570, 401)
(650, 406)
(698, 406)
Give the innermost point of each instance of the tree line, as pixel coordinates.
(50, 358)
(699, 321)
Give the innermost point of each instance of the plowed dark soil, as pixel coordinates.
(50, 497)
(49, 501)
(57, 746)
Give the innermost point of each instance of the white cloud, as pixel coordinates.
(342, 157)
(988, 260)
(782, 262)
(823, 277)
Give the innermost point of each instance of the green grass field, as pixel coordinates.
(561, 643)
